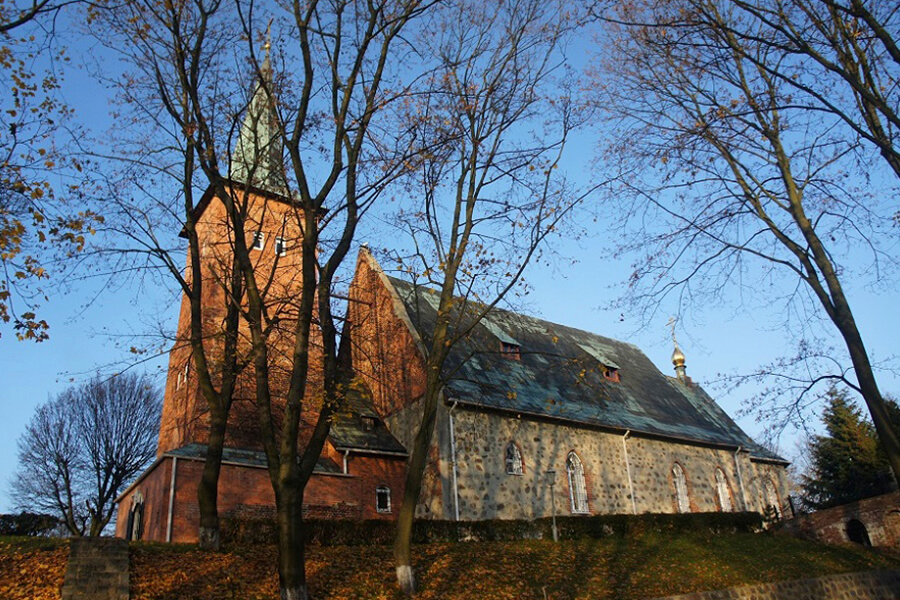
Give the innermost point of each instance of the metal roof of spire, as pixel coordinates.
(258, 159)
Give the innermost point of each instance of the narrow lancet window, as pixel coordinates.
(772, 499)
(723, 492)
(577, 488)
(681, 489)
(514, 460)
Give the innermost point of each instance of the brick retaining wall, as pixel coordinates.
(879, 515)
(874, 585)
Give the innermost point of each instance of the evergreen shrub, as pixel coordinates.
(245, 530)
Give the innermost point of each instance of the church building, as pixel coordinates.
(536, 418)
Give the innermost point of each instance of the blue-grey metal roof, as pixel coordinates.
(560, 375)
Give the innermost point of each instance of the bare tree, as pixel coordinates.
(82, 447)
(496, 122)
(14, 16)
(849, 58)
(741, 169)
(188, 77)
(316, 96)
(349, 61)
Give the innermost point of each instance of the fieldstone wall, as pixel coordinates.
(486, 491)
(878, 585)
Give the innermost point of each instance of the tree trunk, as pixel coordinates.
(870, 392)
(97, 526)
(291, 547)
(842, 316)
(207, 490)
(415, 474)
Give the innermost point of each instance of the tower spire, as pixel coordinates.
(258, 159)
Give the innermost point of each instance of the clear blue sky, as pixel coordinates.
(714, 339)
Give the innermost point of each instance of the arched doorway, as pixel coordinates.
(857, 533)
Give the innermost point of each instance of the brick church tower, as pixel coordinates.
(258, 188)
(361, 458)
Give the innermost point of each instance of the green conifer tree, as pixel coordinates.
(847, 463)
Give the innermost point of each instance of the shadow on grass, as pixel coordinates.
(633, 565)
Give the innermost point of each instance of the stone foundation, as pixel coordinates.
(877, 585)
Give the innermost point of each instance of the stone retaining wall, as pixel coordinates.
(98, 569)
(874, 585)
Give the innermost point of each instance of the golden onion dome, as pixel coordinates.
(678, 357)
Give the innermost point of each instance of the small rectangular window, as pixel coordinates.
(383, 499)
(280, 246)
(368, 424)
(611, 374)
(259, 240)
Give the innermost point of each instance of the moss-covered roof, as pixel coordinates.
(560, 374)
(350, 432)
(239, 456)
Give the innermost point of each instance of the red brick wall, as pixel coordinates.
(155, 489)
(384, 351)
(247, 491)
(184, 418)
(880, 516)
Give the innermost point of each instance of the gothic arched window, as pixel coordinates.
(134, 530)
(514, 465)
(681, 489)
(577, 488)
(723, 492)
(772, 498)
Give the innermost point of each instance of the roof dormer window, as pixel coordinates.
(510, 351)
(509, 346)
(368, 424)
(611, 374)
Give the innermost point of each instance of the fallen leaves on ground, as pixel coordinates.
(32, 568)
(639, 566)
(618, 567)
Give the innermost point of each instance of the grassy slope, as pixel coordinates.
(643, 566)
